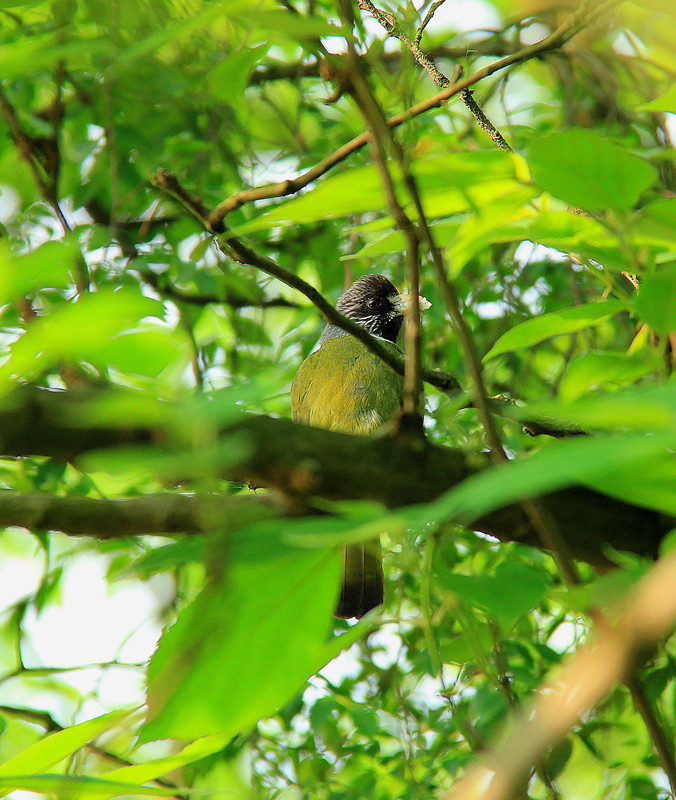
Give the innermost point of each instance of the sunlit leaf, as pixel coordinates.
(72, 786)
(651, 483)
(40, 52)
(657, 223)
(47, 266)
(76, 331)
(54, 748)
(656, 301)
(569, 320)
(665, 102)
(562, 464)
(261, 613)
(446, 181)
(589, 171)
(156, 767)
(599, 370)
(651, 407)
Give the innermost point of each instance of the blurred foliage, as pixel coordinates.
(547, 247)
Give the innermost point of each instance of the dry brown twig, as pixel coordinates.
(646, 617)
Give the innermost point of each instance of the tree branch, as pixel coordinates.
(230, 297)
(395, 30)
(575, 23)
(381, 142)
(42, 157)
(661, 738)
(301, 462)
(162, 514)
(493, 46)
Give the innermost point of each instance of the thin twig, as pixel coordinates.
(504, 685)
(228, 297)
(23, 671)
(434, 72)
(494, 46)
(428, 18)
(194, 351)
(662, 742)
(45, 179)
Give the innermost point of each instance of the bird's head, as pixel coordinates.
(374, 303)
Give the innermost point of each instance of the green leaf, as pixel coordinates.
(168, 557)
(589, 171)
(657, 223)
(649, 408)
(665, 102)
(449, 183)
(45, 267)
(154, 768)
(599, 370)
(66, 786)
(297, 27)
(227, 81)
(172, 33)
(38, 52)
(366, 722)
(511, 591)
(147, 351)
(246, 644)
(76, 331)
(479, 230)
(650, 483)
(569, 320)
(656, 300)
(563, 463)
(558, 229)
(57, 746)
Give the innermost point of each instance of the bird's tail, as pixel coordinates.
(363, 585)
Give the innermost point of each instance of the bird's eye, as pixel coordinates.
(373, 303)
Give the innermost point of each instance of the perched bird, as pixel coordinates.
(344, 387)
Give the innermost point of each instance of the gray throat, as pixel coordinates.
(331, 332)
(334, 332)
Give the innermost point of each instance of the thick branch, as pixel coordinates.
(301, 462)
(151, 514)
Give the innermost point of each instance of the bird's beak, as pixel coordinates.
(403, 301)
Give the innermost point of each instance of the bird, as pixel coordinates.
(343, 386)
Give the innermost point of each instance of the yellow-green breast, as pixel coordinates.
(344, 387)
